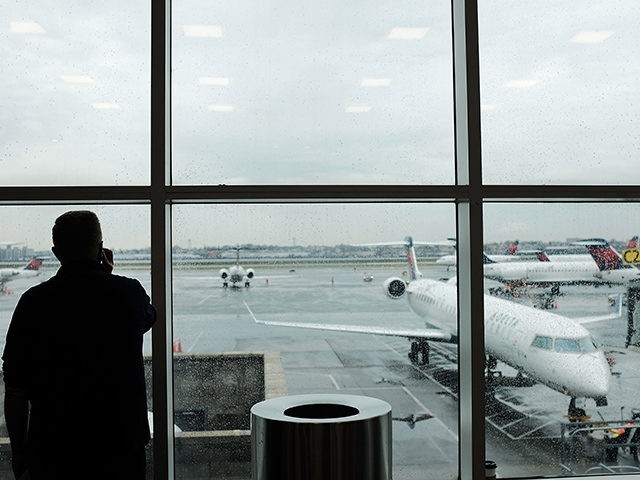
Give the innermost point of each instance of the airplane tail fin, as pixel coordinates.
(541, 255)
(486, 260)
(603, 254)
(633, 243)
(513, 248)
(34, 264)
(411, 257)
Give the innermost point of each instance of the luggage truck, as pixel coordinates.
(591, 447)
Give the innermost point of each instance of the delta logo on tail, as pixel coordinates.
(605, 258)
(34, 264)
(603, 254)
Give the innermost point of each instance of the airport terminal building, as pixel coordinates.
(283, 178)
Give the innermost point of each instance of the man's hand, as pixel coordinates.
(107, 259)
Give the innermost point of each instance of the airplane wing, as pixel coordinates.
(601, 318)
(432, 334)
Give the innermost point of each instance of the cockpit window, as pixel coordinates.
(575, 345)
(545, 343)
(588, 345)
(567, 345)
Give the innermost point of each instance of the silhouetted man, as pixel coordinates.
(75, 396)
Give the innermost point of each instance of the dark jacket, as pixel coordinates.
(75, 345)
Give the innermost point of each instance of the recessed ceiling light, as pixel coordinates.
(358, 109)
(221, 108)
(106, 106)
(86, 79)
(590, 37)
(26, 27)
(521, 83)
(375, 82)
(407, 33)
(213, 31)
(221, 81)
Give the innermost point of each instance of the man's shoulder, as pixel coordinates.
(122, 280)
(41, 288)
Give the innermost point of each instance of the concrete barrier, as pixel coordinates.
(213, 396)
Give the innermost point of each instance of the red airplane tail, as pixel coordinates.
(604, 255)
(34, 264)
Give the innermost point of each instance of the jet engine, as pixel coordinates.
(249, 273)
(224, 273)
(395, 287)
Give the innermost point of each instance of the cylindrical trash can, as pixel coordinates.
(321, 437)
(490, 470)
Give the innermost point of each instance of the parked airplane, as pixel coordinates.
(236, 273)
(611, 268)
(31, 269)
(566, 254)
(549, 348)
(546, 273)
(513, 254)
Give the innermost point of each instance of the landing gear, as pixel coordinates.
(555, 290)
(576, 414)
(419, 354)
(246, 284)
(225, 285)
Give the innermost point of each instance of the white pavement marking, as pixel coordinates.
(204, 299)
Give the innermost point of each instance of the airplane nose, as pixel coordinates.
(592, 376)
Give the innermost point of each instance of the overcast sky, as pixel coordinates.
(325, 92)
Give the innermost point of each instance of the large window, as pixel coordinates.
(313, 147)
(312, 93)
(75, 85)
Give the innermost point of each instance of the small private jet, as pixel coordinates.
(236, 273)
(551, 349)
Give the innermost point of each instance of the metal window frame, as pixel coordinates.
(469, 193)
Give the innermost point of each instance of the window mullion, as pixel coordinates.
(470, 239)
(163, 452)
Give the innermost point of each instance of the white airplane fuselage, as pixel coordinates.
(7, 274)
(451, 260)
(512, 330)
(546, 272)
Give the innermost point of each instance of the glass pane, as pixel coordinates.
(75, 101)
(304, 264)
(283, 92)
(561, 335)
(26, 240)
(560, 97)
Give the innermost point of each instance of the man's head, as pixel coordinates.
(77, 236)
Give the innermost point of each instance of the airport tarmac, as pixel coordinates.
(522, 434)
